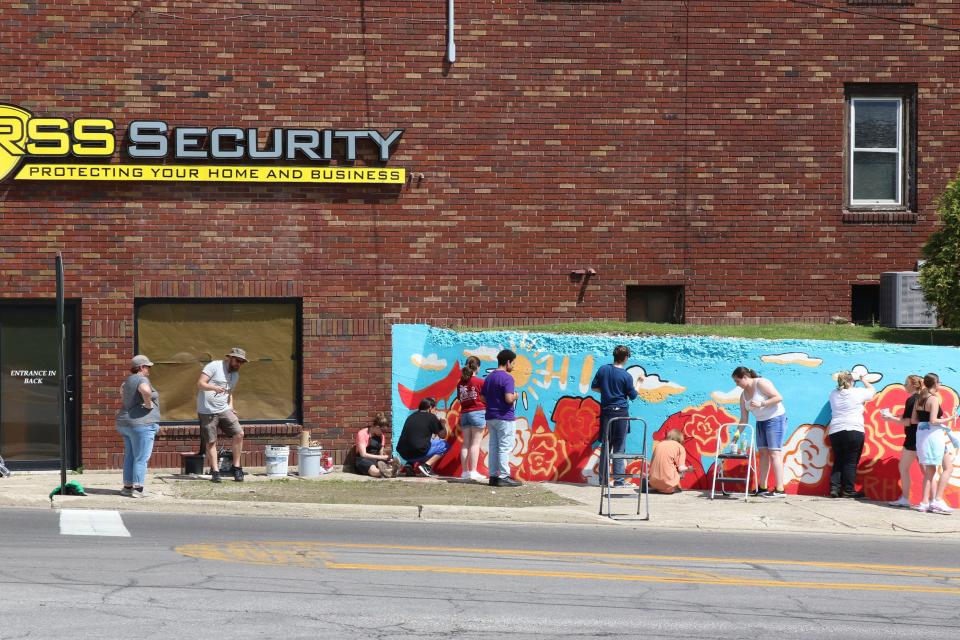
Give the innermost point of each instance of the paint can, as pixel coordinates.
(277, 459)
(309, 462)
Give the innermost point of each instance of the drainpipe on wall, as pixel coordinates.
(451, 45)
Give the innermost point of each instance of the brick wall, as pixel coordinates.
(659, 142)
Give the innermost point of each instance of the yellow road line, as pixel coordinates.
(634, 556)
(731, 582)
(314, 553)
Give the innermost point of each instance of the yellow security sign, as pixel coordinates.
(191, 154)
(13, 135)
(201, 173)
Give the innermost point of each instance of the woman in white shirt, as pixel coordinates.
(762, 399)
(846, 433)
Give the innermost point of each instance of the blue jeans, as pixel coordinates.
(137, 447)
(438, 447)
(499, 447)
(618, 439)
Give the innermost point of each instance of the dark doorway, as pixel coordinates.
(865, 304)
(655, 304)
(30, 385)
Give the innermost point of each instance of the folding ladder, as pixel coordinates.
(606, 475)
(740, 446)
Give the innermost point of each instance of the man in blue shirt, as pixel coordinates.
(616, 389)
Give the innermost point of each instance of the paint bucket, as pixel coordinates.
(277, 458)
(309, 465)
(192, 464)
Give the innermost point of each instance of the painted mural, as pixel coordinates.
(687, 386)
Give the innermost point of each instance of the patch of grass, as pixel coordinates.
(839, 332)
(385, 492)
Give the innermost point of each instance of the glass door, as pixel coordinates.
(29, 385)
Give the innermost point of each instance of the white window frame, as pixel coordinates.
(898, 201)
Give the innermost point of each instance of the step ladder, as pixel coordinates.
(740, 446)
(606, 475)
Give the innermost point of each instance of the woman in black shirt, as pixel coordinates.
(908, 456)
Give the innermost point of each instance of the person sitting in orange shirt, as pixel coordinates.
(668, 463)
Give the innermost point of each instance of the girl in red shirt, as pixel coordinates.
(472, 421)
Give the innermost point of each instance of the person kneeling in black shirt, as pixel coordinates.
(422, 441)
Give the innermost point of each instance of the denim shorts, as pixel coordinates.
(770, 432)
(474, 419)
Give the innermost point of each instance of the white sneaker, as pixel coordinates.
(476, 476)
(939, 506)
(900, 502)
(923, 507)
(466, 476)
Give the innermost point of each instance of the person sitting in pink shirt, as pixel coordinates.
(372, 459)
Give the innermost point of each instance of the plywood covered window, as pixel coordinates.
(181, 337)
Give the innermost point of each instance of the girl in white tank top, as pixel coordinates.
(762, 412)
(765, 405)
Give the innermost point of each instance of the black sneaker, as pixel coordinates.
(510, 482)
(835, 492)
(423, 469)
(494, 481)
(758, 492)
(237, 473)
(773, 494)
(214, 476)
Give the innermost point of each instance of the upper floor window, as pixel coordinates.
(876, 151)
(880, 158)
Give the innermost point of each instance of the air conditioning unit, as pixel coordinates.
(902, 304)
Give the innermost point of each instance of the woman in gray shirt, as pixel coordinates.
(137, 421)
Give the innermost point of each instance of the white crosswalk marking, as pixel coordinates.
(84, 522)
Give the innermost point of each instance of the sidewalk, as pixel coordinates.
(691, 509)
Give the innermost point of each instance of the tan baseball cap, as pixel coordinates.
(141, 361)
(237, 352)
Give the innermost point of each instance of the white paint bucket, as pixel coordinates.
(277, 458)
(309, 465)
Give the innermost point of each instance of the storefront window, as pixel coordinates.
(181, 337)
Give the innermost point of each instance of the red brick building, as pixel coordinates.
(751, 161)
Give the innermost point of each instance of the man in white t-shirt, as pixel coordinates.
(215, 410)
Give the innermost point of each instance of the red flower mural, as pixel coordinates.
(807, 461)
(577, 420)
(565, 450)
(546, 457)
(577, 424)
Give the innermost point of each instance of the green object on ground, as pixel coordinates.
(72, 488)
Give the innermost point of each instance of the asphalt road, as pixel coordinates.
(240, 577)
